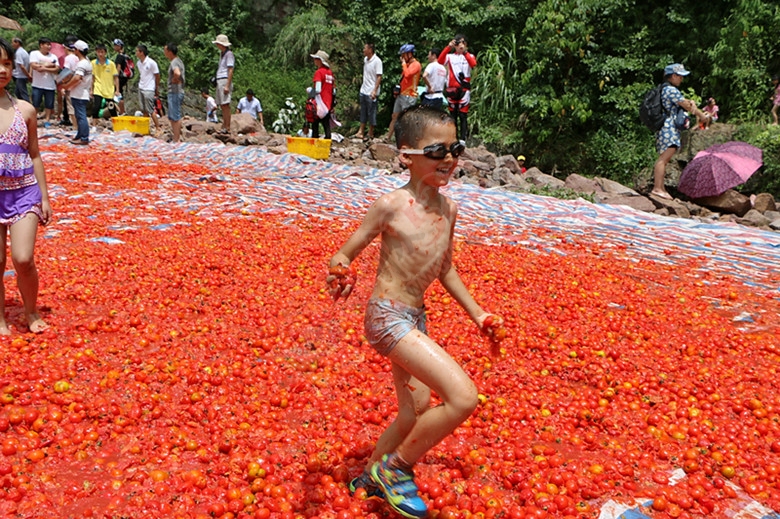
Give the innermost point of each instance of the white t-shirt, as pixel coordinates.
(437, 76)
(211, 110)
(70, 61)
(43, 80)
(371, 69)
(147, 69)
(252, 107)
(82, 68)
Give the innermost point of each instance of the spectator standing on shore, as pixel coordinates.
(410, 78)
(148, 83)
(105, 84)
(667, 139)
(79, 88)
(176, 81)
(369, 91)
(65, 106)
(124, 66)
(459, 62)
(21, 73)
(322, 92)
(227, 63)
(211, 106)
(251, 105)
(44, 67)
(435, 77)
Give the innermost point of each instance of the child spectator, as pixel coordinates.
(211, 106)
(416, 223)
(24, 198)
(711, 109)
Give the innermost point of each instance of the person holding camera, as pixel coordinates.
(459, 62)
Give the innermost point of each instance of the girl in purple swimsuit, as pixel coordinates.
(24, 198)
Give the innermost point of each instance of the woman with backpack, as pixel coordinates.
(667, 139)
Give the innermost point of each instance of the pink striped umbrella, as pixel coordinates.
(718, 168)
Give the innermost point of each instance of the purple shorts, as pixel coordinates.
(16, 203)
(386, 322)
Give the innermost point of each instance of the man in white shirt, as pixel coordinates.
(44, 67)
(369, 90)
(79, 88)
(435, 77)
(70, 61)
(21, 73)
(148, 83)
(251, 105)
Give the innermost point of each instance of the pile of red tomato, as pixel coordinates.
(202, 370)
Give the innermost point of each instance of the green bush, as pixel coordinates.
(767, 179)
(620, 153)
(272, 86)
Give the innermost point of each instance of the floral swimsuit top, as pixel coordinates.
(16, 167)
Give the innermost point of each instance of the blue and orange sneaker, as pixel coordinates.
(399, 488)
(365, 482)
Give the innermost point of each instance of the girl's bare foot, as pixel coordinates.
(4, 330)
(36, 324)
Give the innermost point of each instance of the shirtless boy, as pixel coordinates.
(416, 224)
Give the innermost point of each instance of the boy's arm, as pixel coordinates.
(490, 324)
(341, 280)
(452, 282)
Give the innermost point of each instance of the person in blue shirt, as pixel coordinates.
(667, 139)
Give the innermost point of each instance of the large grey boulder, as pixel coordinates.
(245, 124)
(640, 203)
(383, 152)
(754, 218)
(535, 177)
(731, 201)
(580, 184)
(764, 202)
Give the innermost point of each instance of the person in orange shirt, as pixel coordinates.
(410, 78)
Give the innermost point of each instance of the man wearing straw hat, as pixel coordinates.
(227, 63)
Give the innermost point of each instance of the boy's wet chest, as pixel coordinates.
(419, 224)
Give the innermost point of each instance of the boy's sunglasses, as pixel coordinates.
(439, 151)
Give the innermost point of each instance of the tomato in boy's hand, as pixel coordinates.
(341, 280)
(493, 327)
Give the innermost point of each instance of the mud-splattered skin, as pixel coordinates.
(416, 247)
(416, 224)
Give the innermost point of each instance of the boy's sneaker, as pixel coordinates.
(399, 488)
(364, 481)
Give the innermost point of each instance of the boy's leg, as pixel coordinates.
(427, 362)
(414, 398)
